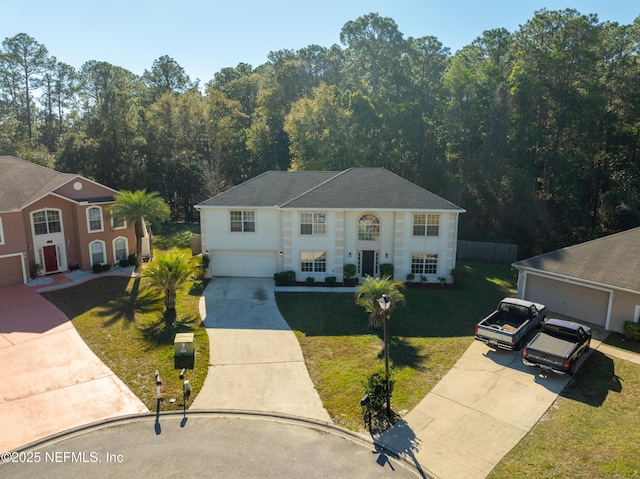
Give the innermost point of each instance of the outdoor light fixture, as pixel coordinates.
(385, 304)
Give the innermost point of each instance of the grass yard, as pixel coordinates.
(591, 431)
(427, 336)
(125, 324)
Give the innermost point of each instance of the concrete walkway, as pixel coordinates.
(256, 363)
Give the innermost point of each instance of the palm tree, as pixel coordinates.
(134, 207)
(167, 272)
(371, 290)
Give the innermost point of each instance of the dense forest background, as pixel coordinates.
(534, 133)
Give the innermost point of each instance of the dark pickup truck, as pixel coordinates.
(558, 346)
(510, 323)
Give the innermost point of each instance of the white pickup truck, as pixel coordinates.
(508, 325)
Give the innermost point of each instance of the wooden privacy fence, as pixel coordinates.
(487, 251)
(196, 245)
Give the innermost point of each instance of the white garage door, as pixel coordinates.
(579, 302)
(249, 264)
(11, 270)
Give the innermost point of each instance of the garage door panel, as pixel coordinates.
(579, 302)
(11, 271)
(256, 264)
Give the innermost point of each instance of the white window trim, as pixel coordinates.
(424, 262)
(113, 245)
(379, 226)
(89, 220)
(314, 261)
(636, 314)
(313, 223)
(255, 221)
(46, 214)
(426, 224)
(104, 251)
(2, 240)
(113, 227)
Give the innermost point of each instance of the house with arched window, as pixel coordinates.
(57, 221)
(316, 222)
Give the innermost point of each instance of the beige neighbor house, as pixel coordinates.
(58, 221)
(316, 222)
(597, 281)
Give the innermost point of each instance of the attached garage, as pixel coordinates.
(583, 303)
(246, 264)
(11, 270)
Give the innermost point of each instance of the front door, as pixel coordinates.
(50, 259)
(368, 263)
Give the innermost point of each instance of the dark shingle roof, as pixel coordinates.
(355, 188)
(612, 260)
(22, 182)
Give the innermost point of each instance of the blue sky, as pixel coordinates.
(205, 36)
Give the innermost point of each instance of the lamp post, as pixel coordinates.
(385, 304)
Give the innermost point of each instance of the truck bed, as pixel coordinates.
(551, 345)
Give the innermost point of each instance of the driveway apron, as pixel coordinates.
(256, 363)
(50, 381)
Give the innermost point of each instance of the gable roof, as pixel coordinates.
(612, 260)
(355, 188)
(23, 182)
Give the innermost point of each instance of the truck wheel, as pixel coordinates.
(519, 345)
(572, 369)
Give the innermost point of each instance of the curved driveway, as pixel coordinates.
(256, 363)
(50, 381)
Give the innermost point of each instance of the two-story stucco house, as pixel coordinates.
(315, 222)
(57, 221)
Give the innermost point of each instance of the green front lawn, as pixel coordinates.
(124, 322)
(427, 336)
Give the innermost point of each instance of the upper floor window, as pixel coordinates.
(46, 222)
(118, 222)
(426, 224)
(243, 221)
(313, 223)
(94, 218)
(369, 228)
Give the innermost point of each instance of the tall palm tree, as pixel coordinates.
(134, 207)
(167, 272)
(371, 290)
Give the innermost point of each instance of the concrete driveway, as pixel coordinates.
(50, 381)
(476, 414)
(256, 363)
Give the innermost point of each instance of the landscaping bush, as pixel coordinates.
(631, 330)
(350, 271)
(132, 260)
(124, 263)
(286, 278)
(330, 281)
(106, 267)
(386, 269)
(376, 387)
(97, 268)
(411, 277)
(310, 281)
(459, 274)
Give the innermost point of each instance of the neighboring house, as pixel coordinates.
(315, 222)
(58, 221)
(597, 281)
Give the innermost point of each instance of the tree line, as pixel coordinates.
(533, 132)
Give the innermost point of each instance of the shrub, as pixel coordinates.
(132, 260)
(124, 263)
(411, 277)
(376, 387)
(286, 278)
(386, 269)
(350, 271)
(330, 281)
(459, 275)
(106, 267)
(310, 280)
(631, 330)
(97, 268)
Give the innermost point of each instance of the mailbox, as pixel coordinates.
(183, 344)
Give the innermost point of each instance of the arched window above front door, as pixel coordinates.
(369, 227)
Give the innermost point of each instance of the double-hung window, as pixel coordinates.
(424, 263)
(426, 224)
(94, 218)
(313, 224)
(242, 221)
(46, 222)
(313, 261)
(96, 249)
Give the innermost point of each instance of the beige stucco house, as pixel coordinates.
(597, 281)
(58, 221)
(316, 222)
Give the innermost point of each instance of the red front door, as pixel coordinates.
(50, 259)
